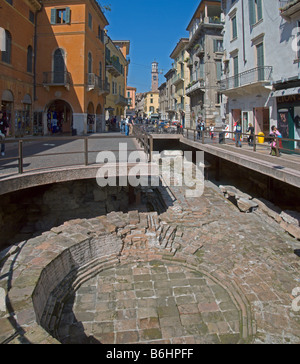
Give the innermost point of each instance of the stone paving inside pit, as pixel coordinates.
(200, 272)
(151, 302)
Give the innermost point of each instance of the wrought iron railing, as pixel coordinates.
(95, 82)
(254, 75)
(56, 78)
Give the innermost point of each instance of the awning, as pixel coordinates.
(286, 92)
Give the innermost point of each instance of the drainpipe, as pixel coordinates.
(243, 27)
(35, 52)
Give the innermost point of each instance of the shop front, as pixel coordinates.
(59, 117)
(288, 120)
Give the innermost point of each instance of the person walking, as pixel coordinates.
(274, 134)
(250, 131)
(3, 128)
(238, 132)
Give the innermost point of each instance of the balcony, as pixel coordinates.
(195, 87)
(247, 81)
(290, 10)
(55, 79)
(113, 66)
(177, 79)
(122, 101)
(95, 83)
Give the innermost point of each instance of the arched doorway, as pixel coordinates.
(7, 102)
(59, 117)
(90, 118)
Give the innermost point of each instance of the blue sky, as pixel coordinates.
(153, 28)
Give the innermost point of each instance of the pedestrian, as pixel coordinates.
(127, 126)
(274, 134)
(250, 131)
(238, 132)
(212, 131)
(3, 128)
(198, 128)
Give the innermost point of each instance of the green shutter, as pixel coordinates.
(68, 15)
(234, 28)
(215, 45)
(219, 70)
(259, 10)
(53, 16)
(252, 17)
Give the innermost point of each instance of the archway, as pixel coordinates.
(90, 118)
(59, 117)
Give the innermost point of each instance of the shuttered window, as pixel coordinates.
(60, 16)
(255, 11)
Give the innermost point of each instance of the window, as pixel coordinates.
(100, 70)
(100, 34)
(260, 61)
(151, 101)
(60, 16)
(59, 66)
(236, 71)
(10, 2)
(233, 28)
(255, 11)
(219, 69)
(31, 16)
(90, 63)
(6, 56)
(29, 59)
(90, 21)
(218, 45)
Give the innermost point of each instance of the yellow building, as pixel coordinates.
(151, 103)
(116, 53)
(180, 81)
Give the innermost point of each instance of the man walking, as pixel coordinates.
(3, 126)
(238, 132)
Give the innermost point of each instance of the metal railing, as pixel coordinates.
(257, 74)
(85, 151)
(56, 78)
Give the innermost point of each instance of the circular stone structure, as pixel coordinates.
(150, 302)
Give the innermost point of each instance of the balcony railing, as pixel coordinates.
(178, 78)
(113, 66)
(95, 83)
(56, 79)
(195, 86)
(252, 76)
(123, 101)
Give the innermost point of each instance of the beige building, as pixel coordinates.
(205, 52)
(180, 80)
(151, 103)
(116, 75)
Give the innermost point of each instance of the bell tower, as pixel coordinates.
(154, 74)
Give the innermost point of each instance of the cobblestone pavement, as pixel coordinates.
(230, 280)
(200, 272)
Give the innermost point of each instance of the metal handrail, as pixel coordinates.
(257, 74)
(144, 138)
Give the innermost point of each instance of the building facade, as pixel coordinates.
(151, 103)
(205, 52)
(116, 75)
(180, 81)
(261, 65)
(17, 64)
(131, 99)
(163, 101)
